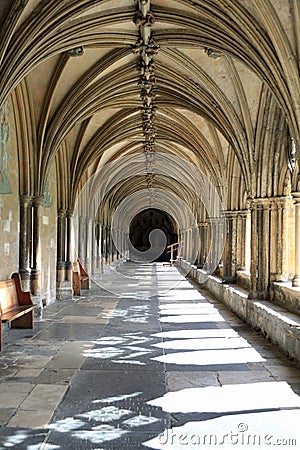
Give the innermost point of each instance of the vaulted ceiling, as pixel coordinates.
(213, 83)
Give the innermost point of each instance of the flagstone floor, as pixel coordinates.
(145, 359)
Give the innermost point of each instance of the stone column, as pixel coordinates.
(242, 239)
(113, 247)
(235, 248)
(61, 228)
(189, 245)
(199, 246)
(103, 245)
(82, 238)
(108, 245)
(35, 275)
(87, 261)
(185, 245)
(279, 235)
(215, 243)
(296, 279)
(230, 254)
(203, 239)
(64, 263)
(260, 248)
(94, 246)
(25, 239)
(98, 245)
(68, 262)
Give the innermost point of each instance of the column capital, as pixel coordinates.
(271, 202)
(232, 214)
(61, 212)
(296, 197)
(282, 202)
(296, 279)
(36, 200)
(260, 202)
(212, 220)
(25, 200)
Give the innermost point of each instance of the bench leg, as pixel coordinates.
(76, 284)
(0, 336)
(25, 321)
(85, 284)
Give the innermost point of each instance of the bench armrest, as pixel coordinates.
(24, 298)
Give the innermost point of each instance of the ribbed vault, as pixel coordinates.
(226, 100)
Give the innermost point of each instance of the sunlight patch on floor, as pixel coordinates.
(204, 344)
(229, 398)
(194, 334)
(211, 357)
(255, 431)
(195, 318)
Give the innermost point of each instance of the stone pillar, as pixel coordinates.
(88, 245)
(94, 246)
(264, 249)
(110, 244)
(61, 229)
(25, 239)
(203, 243)
(81, 238)
(296, 279)
(98, 245)
(199, 246)
(188, 245)
(35, 275)
(215, 243)
(242, 239)
(260, 248)
(64, 264)
(230, 254)
(103, 245)
(235, 248)
(279, 235)
(254, 245)
(194, 243)
(185, 244)
(68, 250)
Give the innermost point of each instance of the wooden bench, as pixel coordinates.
(80, 278)
(16, 306)
(84, 277)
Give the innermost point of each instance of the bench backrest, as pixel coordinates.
(76, 268)
(8, 296)
(83, 272)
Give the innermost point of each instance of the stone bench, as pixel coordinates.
(16, 306)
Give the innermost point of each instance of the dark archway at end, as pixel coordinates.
(145, 222)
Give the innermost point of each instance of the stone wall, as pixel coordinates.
(286, 296)
(48, 241)
(10, 213)
(9, 195)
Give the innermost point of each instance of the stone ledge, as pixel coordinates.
(286, 296)
(282, 327)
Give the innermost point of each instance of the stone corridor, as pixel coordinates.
(150, 361)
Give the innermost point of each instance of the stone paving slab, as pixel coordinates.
(22, 438)
(80, 332)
